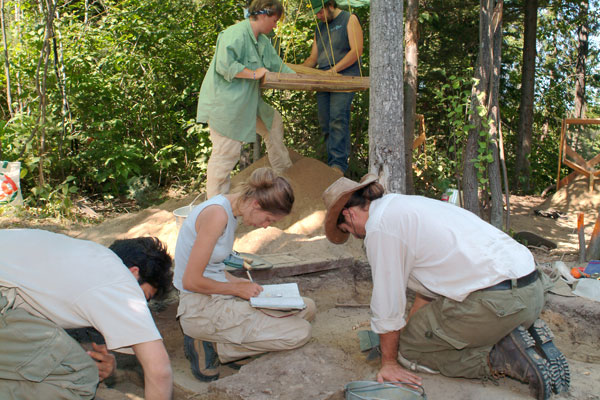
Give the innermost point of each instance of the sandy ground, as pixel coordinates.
(332, 358)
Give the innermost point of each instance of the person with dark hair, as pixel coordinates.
(50, 283)
(218, 323)
(230, 100)
(478, 293)
(151, 254)
(337, 47)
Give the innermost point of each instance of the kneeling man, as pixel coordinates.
(478, 293)
(50, 282)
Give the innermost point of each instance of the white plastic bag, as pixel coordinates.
(588, 288)
(451, 196)
(10, 189)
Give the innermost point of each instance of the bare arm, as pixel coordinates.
(355, 38)
(210, 224)
(247, 73)
(390, 369)
(158, 377)
(311, 61)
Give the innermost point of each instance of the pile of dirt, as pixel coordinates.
(302, 229)
(574, 197)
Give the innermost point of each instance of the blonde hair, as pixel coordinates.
(272, 192)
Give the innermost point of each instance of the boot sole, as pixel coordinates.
(560, 374)
(526, 346)
(192, 355)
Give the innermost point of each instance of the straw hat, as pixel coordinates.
(335, 197)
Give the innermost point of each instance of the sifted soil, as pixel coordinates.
(575, 197)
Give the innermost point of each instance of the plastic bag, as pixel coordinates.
(451, 196)
(10, 189)
(588, 288)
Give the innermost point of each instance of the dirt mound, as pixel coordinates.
(576, 196)
(309, 178)
(303, 228)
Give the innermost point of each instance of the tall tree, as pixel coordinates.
(48, 10)
(493, 108)
(478, 152)
(410, 87)
(582, 54)
(523, 168)
(6, 60)
(386, 100)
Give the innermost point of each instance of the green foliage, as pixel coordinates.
(54, 201)
(123, 77)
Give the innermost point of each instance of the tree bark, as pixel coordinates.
(522, 175)
(410, 87)
(386, 100)
(494, 116)
(41, 85)
(484, 108)
(6, 62)
(479, 98)
(582, 53)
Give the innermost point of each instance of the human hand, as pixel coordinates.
(105, 361)
(247, 289)
(259, 73)
(393, 372)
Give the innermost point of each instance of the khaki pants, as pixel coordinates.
(38, 360)
(241, 330)
(455, 338)
(226, 153)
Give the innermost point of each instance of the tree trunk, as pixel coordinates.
(522, 175)
(41, 85)
(494, 115)
(17, 25)
(386, 100)
(410, 87)
(6, 62)
(582, 53)
(479, 100)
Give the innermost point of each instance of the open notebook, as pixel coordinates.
(285, 296)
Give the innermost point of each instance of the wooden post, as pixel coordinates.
(581, 235)
(593, 249)
(560, 150)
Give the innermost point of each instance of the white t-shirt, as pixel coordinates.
(75, 283)
(446, 249)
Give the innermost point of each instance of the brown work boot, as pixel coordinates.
(204, 360)
(560, 374)
(515, 356)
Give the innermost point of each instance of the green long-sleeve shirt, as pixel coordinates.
(230, 105)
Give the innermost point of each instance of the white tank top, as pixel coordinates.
(187, 236)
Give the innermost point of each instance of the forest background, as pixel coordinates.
(100, 95)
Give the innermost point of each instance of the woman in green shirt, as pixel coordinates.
(230, 100)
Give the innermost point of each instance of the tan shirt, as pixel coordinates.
(75, 283)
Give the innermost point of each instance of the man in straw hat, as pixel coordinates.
(478, 292)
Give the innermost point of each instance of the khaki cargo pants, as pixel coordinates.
(226, 153)
(241, 330)
(38, 360)
(455, 338)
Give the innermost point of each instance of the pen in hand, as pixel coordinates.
(248, 267)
